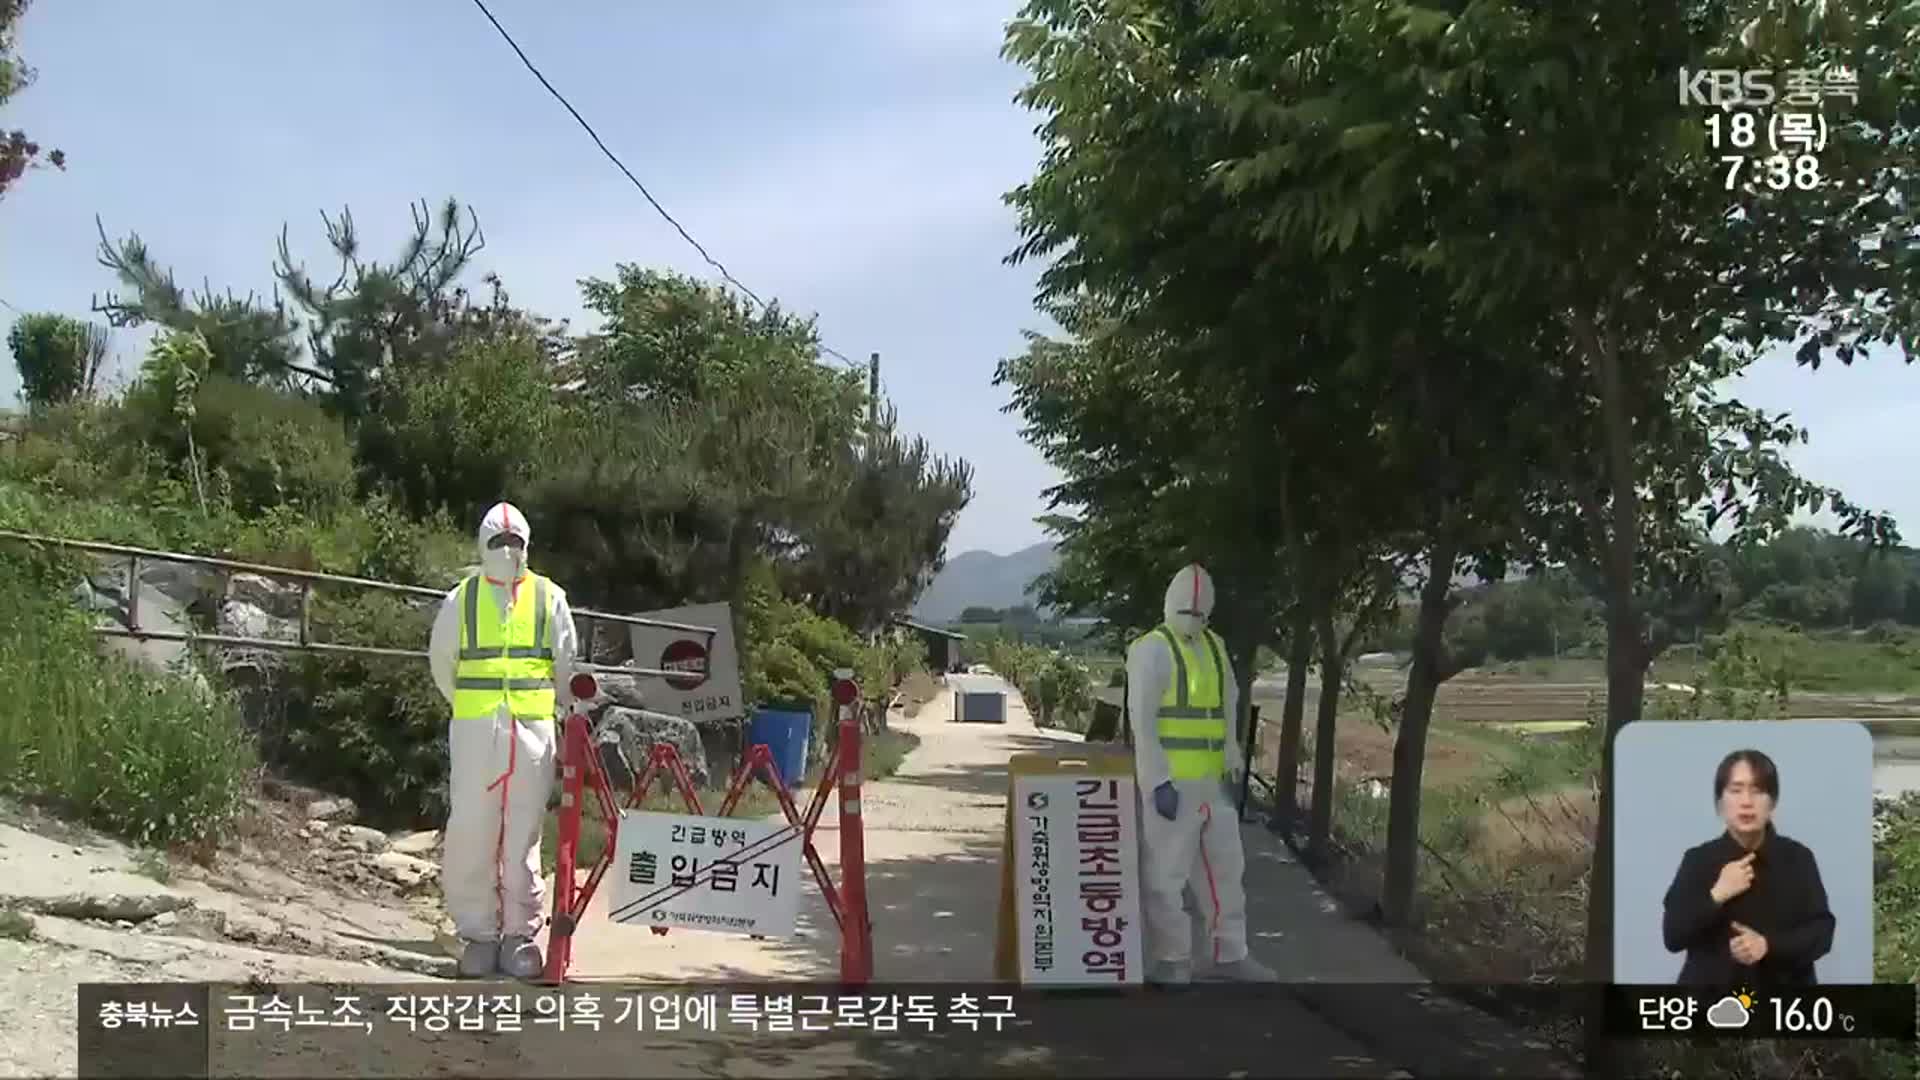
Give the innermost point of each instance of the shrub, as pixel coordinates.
(271, 448)
(887, 663)
(143, 754)
(82, 449)
(1896, 896)
(1061, 694)
(1057, 690)
(27, 509)
(80, 471)
(367, 539)
(827, 643)
(782, 673)
(369, 726)
(787, 653)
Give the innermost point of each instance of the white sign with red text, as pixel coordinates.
(1076, 879)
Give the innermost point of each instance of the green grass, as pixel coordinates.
(881, 757)
(1513, 766)
(1824, 661)
(137, 753)
(1530, 764)
(1855, 664)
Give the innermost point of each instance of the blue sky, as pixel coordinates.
(845, 156)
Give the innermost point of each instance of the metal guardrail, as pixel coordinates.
(308, 579)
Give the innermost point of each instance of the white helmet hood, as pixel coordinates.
(504, 564)
(1189, 601)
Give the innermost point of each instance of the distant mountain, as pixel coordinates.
(983, 579)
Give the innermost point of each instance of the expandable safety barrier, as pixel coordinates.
(584, 781)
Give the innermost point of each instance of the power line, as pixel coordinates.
(10, 307)
(634, 180)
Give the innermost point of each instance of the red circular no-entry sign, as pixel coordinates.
(689, 658)
(845, 692)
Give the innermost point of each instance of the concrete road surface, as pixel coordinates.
(933, 838)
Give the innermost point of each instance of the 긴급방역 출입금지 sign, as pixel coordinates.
(726, 875)
(1074, 862)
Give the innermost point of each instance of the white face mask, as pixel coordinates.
(1187, 625)
(504, 563)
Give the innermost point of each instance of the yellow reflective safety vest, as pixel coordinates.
(505, 661)
(1192, 719)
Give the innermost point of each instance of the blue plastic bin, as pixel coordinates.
(785, 730)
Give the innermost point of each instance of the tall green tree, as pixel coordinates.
(854, 515)
(451, 432)
(346, 337)
(248, 339)
(1288, 351)
(375, 320)
(58, 358)
(714, 430)
(881, 530)
(1145, 253)
(703, 437)
(672, 339)
(1154, 487)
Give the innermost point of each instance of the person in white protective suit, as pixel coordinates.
(1181, 707)
(503, 648)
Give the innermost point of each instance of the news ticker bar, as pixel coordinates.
(475, 1028)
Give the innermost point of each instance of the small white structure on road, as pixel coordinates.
(979, 700)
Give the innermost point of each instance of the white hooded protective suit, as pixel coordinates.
(500, 771)
(1199, 848)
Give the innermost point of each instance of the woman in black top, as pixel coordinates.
(1748, 907)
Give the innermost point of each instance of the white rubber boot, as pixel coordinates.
(480, 959)
(1245, 969)
(1170, 974)
(520, 958)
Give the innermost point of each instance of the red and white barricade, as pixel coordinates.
(584, 784)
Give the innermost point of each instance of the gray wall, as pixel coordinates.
(1664, 805)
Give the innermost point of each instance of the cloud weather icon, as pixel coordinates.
(1728, 1012)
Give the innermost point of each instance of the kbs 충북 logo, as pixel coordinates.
(1737, 88)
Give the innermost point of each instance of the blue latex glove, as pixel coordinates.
(1166, 800)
